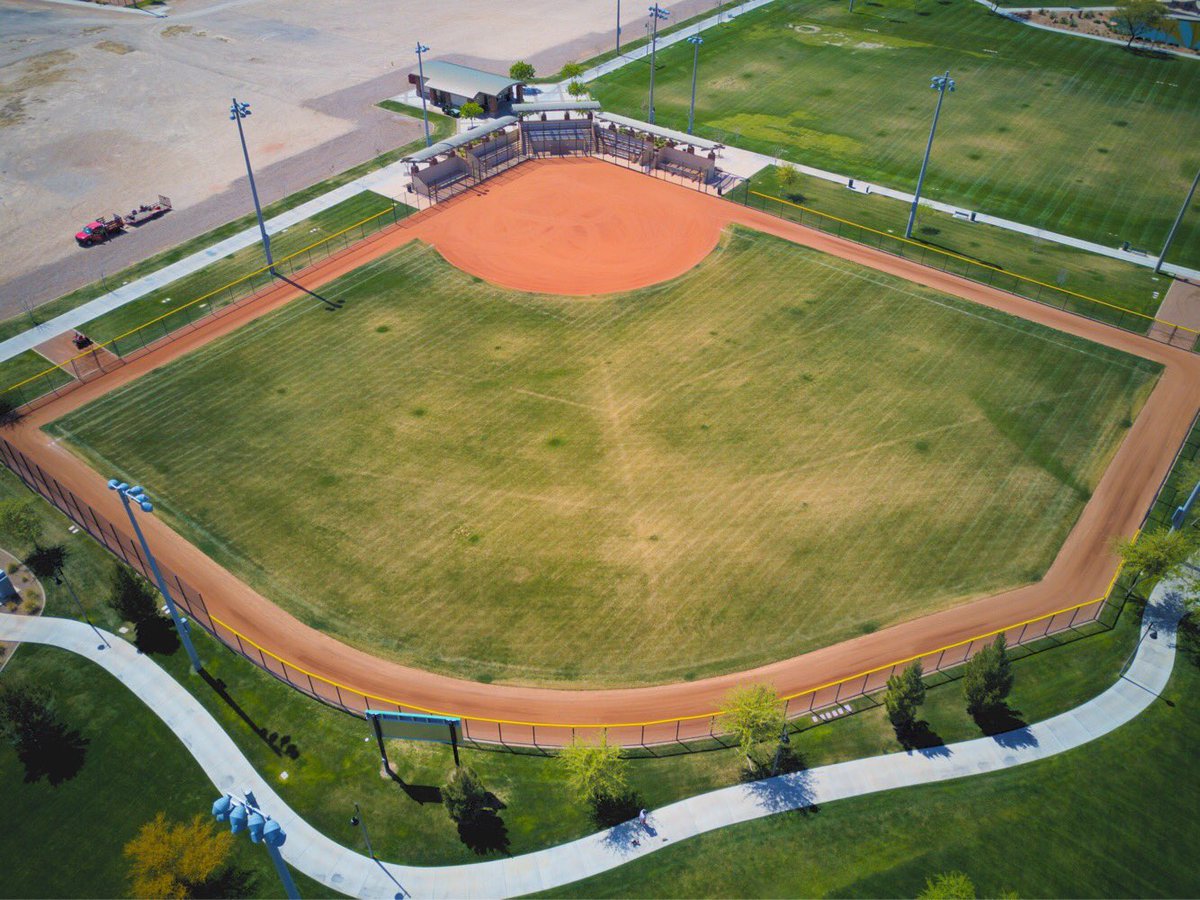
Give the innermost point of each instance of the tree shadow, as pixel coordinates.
(157, 636)
(229, 882)
(1188, 639)
(46, 562)
(1152, 53)
(920, 737)
(484, 833)
(610, 811)
(1005, 726)
(794, 792)
(57, 755)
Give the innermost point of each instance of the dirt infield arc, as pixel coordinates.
(1080, 572)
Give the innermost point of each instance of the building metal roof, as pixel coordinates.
(541, 106)
(464, 81)
(459, 140)
(678, 136)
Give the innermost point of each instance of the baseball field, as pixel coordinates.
(1072, 135)
(773, 452)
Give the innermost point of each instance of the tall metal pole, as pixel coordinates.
(656, 13)
(61, 579)
(695, 40)
(244, 814)
(358, 819)
(180, 626)
(237, 112)
(941, 84)
(618, 27)
(421, 48)
(1178, 219)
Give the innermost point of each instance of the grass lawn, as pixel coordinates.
(664, 474)
(1115, 818)
(26, 365)
(1113, 281)
(1072, 135)
(66, 840)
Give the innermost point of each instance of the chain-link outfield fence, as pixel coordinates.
(660, 736)
(111, 354)
(971, 269)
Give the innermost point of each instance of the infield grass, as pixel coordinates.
(1072, 135)
(629, 489)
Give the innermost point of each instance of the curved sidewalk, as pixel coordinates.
(343, 870)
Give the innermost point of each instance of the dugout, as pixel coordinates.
(470, 156)
(659, 148)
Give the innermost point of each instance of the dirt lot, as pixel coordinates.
(102, 108)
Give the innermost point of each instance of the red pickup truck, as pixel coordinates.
(105, 227)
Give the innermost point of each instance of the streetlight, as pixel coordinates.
(421, 48)
(358, 820)
(244, 815)
(138, 496)
(618, 27)
(695, 40)
(941, 84)
(1179, 218)
(657, 14)
(237, 112)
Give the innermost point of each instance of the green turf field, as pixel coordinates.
(1068, 134)
(628, 489)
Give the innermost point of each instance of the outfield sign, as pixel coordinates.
(414, 727)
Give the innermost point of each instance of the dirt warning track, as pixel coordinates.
(612, 235)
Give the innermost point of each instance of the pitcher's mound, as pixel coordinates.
(578, 227)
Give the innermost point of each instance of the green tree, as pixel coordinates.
(465, 797)
(988, 677)
(752, 714)
(521, 71)
(596, 772)
(905, 692)
(1138, 17)
(132, 598)
(19, 521)
(471, 110)
(1158, 553)
(571, 70)
(577, 89)
(948, 886)
(788, 177)
(177, 859)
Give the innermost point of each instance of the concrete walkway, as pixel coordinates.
(344, 870)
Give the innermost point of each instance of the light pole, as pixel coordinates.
(941, 84)
(244, 815)
(421, 49)
(657, 14)
(695, 40)
(618, 27)
(237, 112)
(358, 820)
(1179, 218)
(138, 496)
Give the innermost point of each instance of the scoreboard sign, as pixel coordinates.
(414, 727)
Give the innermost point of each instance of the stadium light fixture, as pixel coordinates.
(422, 49)
(941, 84)
(695, 40)
(657, 14)
(245, 815)
(1178, 219)
(138, 495)
(237, 112)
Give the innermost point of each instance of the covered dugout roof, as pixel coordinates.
(459, 140)
(464, 81)
(658, 131)
(540, 106)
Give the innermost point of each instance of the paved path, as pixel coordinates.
(344, 870)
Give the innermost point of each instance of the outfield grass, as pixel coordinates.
(1072, 135)
(630, 489)
(1113, 281)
